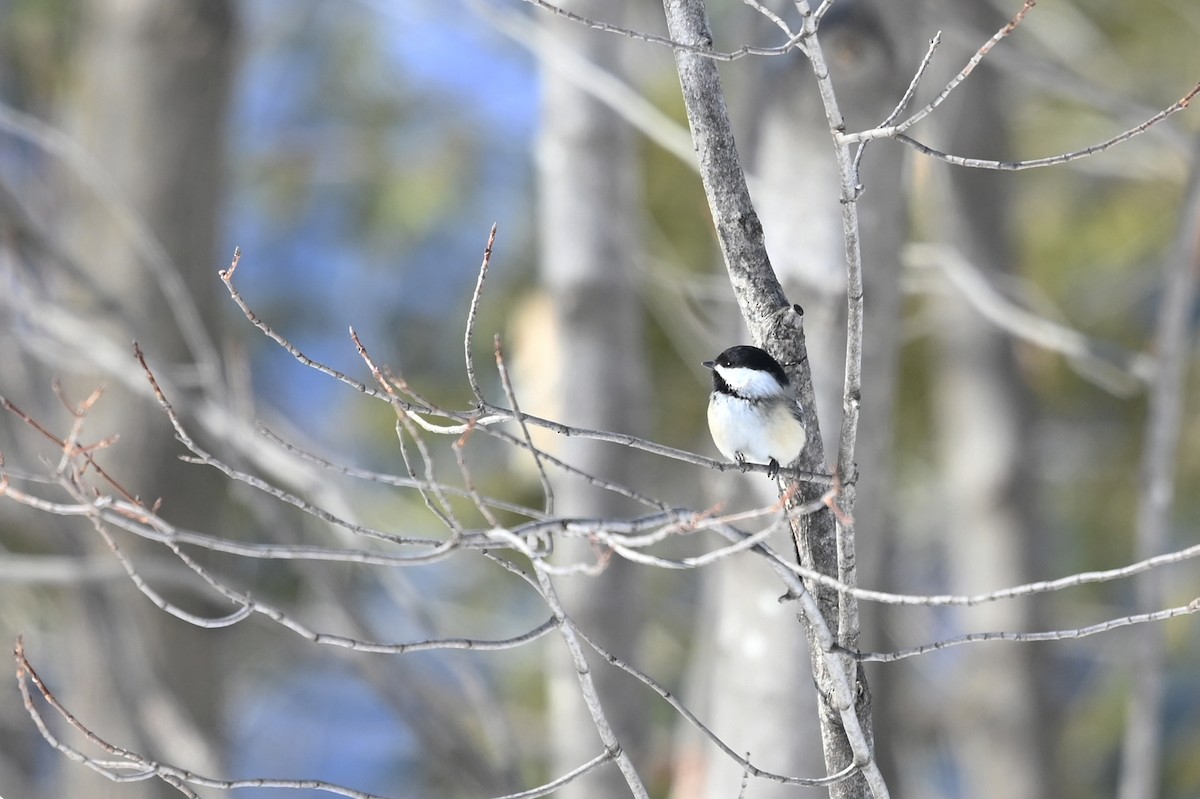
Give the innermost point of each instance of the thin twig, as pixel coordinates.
(460, 457)
(620, 532)
(888, 130)
(771, 15)
(156, 529)
(491, 415)
(511, 396)
(841, 613)
(550, 787)
(62, 444)
(356, 644)
(630, 548)
(571, 636)
(472, 314)
(227, 277)
(651, 38)
(821, 11)
(1052, 635)
(1062, 158)
(387, 479)
(136, 766)
(429, 489)
(905, 99)
(839, 668)
(202, 456)
(159, 601)
(392, 385)
(690, 718)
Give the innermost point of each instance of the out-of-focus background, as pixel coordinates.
(358, 153)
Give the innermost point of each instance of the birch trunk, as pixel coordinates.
(588, 231)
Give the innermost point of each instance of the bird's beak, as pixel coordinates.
(707, 364)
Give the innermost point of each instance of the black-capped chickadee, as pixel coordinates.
(753, 413)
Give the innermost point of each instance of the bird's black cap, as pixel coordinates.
(746, 357)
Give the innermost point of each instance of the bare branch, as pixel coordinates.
(1118, 371)
(701, 50)
(435, 499)
(227, 278)
(626, 537)
(66, 447)
(905, 99)
(154, 255)
(571, 638)
(201, 456)
(549, 787)
(390, 479)
(472, 314)
(132, 766)
(771, 15)
(460, 456)
(355, 644)
(842, 676)
(1053, 635)
(1014, 592)
(159, 601)
(491, 415)
(630, 549)
(841, 612)
(691, 719)
(821, 11)
(547, 488)
(888, 130)
(1062, 158)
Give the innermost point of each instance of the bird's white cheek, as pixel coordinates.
(749, 382)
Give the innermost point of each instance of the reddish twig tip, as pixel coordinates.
(227, 274)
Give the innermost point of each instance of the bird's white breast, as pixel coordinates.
(760, 431)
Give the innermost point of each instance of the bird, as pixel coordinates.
(753, 413)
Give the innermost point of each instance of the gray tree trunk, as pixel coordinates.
(997, 725)
(750, 682)
(587, 223)
(150, 103)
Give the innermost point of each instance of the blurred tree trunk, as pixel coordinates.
(750, 682)
(1142, 747)
(149, 104)
(995, 722)
(588, 227)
